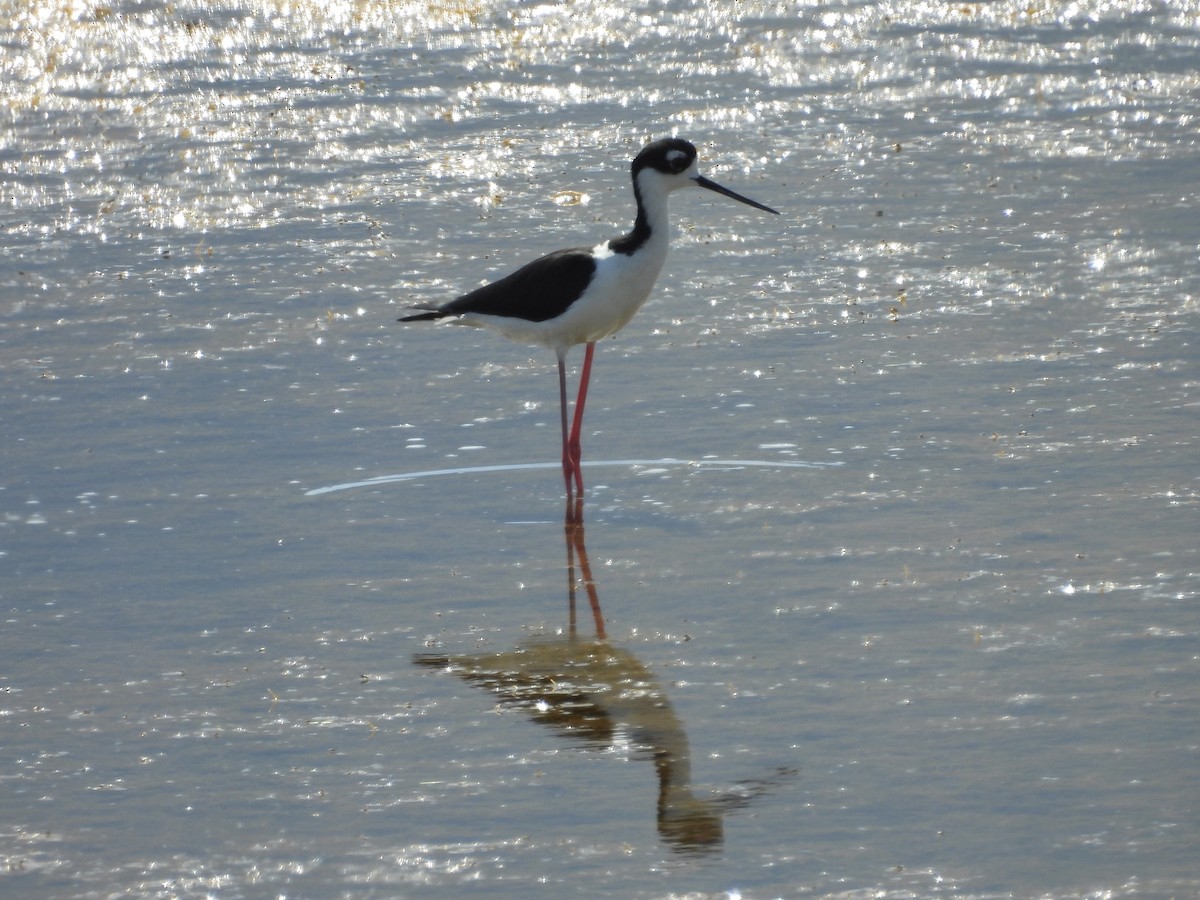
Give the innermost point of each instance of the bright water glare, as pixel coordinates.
(889, 585)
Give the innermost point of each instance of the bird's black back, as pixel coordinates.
(541, 290)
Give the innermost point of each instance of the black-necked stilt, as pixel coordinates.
(580, 295)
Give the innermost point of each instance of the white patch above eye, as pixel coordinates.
(674, 156)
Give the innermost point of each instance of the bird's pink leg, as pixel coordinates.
(573, 446)
(567, 461)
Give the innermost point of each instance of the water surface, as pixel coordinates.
(890, 525)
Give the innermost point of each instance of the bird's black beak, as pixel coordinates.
(713, 186)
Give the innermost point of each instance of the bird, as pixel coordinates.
(583, 294)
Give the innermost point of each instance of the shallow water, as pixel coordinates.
(892, 500)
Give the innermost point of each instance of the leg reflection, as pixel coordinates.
(573, 528)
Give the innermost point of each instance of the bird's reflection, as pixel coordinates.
(591, 691)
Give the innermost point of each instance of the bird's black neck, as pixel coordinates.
(631, 242)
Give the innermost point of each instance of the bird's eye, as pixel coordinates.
(677, 160)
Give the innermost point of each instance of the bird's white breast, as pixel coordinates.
(618, 289)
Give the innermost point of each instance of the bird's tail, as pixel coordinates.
(432, 315)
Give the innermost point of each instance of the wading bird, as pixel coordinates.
(583, 294)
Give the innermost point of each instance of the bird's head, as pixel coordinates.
(671, 164)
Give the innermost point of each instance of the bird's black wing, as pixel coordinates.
(540, 290)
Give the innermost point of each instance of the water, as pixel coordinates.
(285, 585)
